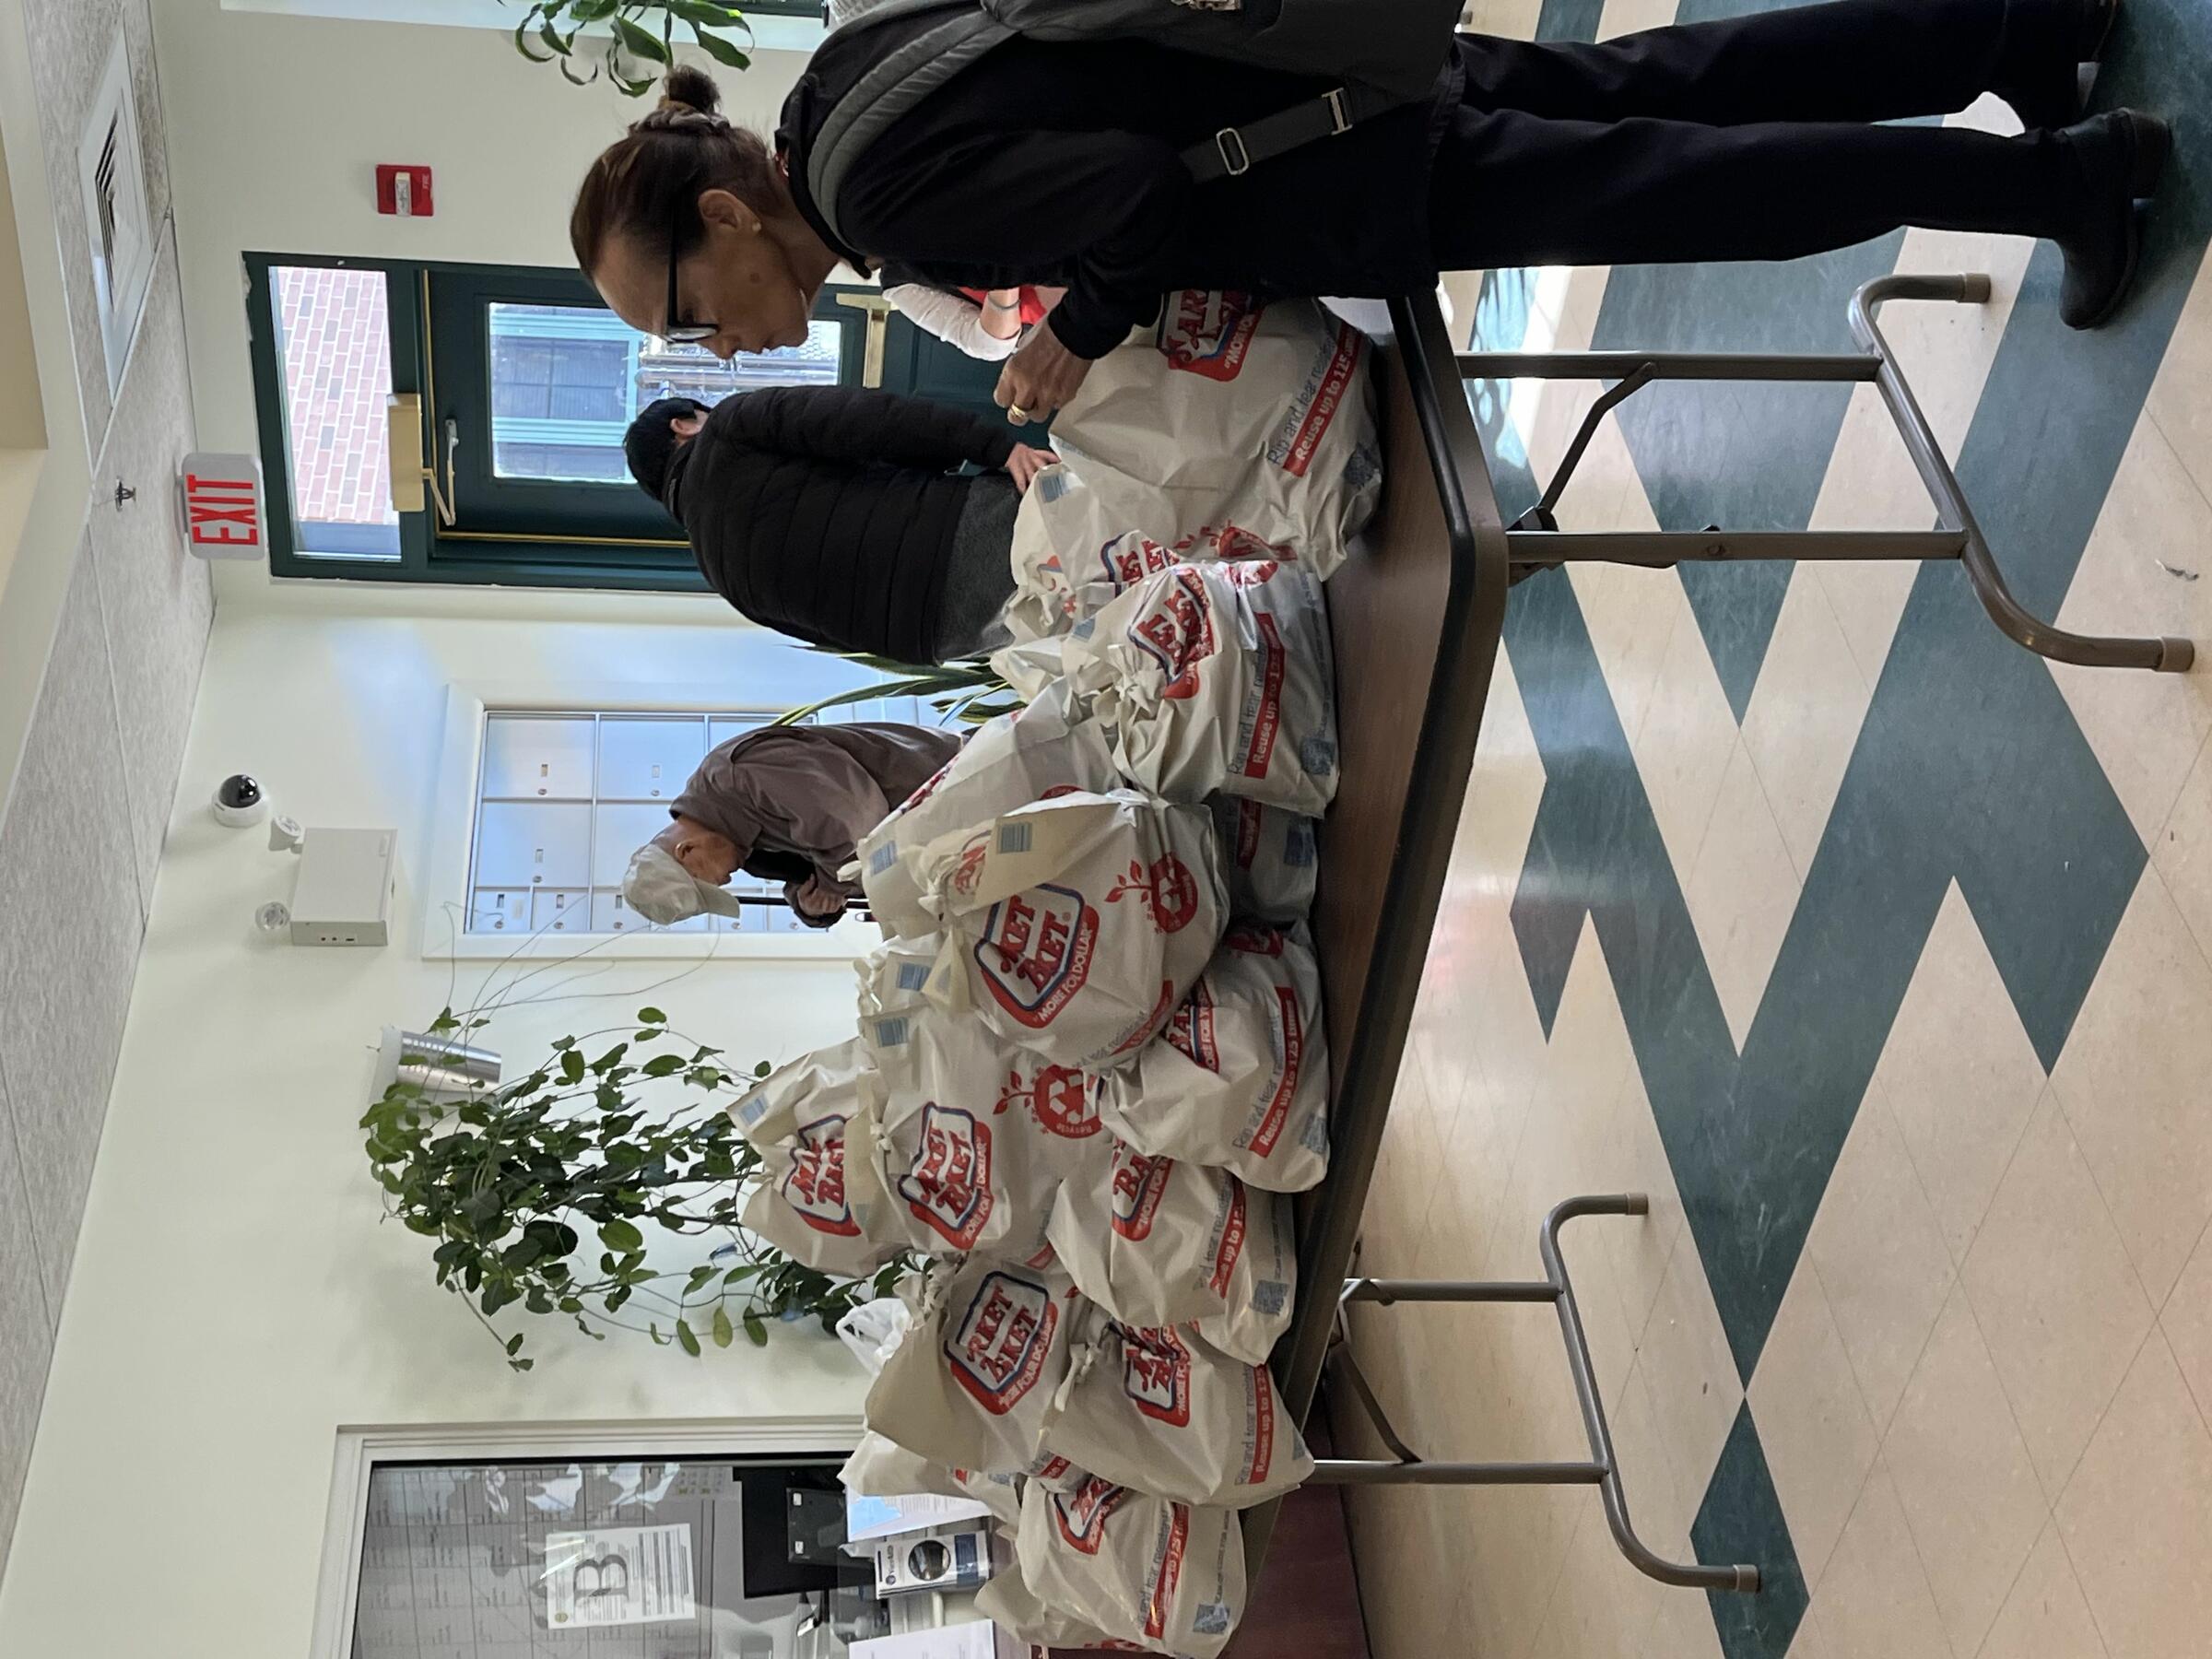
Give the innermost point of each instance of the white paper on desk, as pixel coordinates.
(618, 1575)
(884, 1517)
(980, 1640)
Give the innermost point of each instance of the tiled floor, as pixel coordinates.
(1878, 952)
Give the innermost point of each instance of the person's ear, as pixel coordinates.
(731, 212)
(687, 426)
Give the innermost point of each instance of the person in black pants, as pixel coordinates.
(1056, 163)
(834, 515)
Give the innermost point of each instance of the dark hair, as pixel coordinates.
(646, 185)
(649, 445)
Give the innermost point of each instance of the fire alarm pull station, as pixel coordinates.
(405, 191)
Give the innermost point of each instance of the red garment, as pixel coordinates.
(1032, 308)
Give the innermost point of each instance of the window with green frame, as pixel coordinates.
(526, 383)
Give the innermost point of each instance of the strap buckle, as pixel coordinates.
(1339, 120)
(1234, 155)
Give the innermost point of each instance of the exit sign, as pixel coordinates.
(226, 513)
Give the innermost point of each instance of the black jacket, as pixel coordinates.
(828, 513)
(1060, 163)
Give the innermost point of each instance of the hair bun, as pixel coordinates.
(692, 88)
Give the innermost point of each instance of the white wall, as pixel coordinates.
(235, 1299)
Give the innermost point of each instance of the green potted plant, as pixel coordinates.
(641, 36)
(540, 1195)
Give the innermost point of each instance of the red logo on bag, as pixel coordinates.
(1036, 952)
(1169, 891)
(815, 1186)
(999, 1349)
(1254, 938)
(1232, 545)
(1175, 1532)
(1315, 409)
(1209, 333)
(1248, 833)
(930, 785)
(1264, 718)
(948, 1188)
(1058, 1097)
(1081, 1514)
(1290, 1041)
(1229, 1247)
(1156, 1374)
(969, 872)
(1191, 1030)
(1263, 1427)
(1129, 560)
(1176, 630)
(1139, 1184)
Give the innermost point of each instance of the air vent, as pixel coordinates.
(112, 171)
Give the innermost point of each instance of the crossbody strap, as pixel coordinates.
(1234, 151)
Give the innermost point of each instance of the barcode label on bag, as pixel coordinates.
(1015, 838)
(892, 1033)
(883, 858)
(912, 976)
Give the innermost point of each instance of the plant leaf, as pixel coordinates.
(722, 1333)
(638, 42)
(651, 1017)
(756, 1333)
(620, 1234)
(719, 50)
(685, 1336)
(571, 1067)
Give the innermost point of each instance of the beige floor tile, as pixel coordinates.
(2055, 1296)
(1411, 1131)
(1964, 1477)
(2044, 1615)
(1632, 614)
(1601, 1607)
(1515, 19)
(1627, 16)
(1804, 717)
(1640, 1247)
(1412, 1571)
(2180, 399)
(2132, 1079)
(1880, 1255)
(2145, 728)
(2181, 852)
(1690, 1371)
(1742, 892)
(1874, 1600)
(1683, 1628)
(1812, 1421)
(1959, 1074)
(2137, 1517)
(2187, 1322)
(1685, 743)
(1661, 1506)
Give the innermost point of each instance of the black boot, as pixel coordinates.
(2052, 97)
(2121, 155)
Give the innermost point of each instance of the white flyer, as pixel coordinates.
(618, 1575)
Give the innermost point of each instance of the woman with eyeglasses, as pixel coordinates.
(1745, 138)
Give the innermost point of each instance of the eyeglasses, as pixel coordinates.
(672, 330)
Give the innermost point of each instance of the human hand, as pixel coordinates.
(1026, 463)
(818, 901)
(1039, 379)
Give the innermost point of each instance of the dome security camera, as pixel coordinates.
(240, 802)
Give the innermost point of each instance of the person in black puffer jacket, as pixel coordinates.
(834, 514)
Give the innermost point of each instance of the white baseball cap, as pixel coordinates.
(664, 892)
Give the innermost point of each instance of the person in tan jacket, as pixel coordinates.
(783, 803)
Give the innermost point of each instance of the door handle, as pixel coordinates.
(878, 311)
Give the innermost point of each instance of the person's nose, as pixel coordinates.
(726, 346)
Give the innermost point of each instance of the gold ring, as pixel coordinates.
(1017, 415)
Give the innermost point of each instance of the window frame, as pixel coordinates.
(423, 296)
(358, 1452)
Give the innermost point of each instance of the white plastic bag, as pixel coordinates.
(972, 1383)
(1160, 1411)
(978, 1137)
(1167, 1576)
(873, 1331)
(1217, 677)
(1167, 1242)
(1269, 858)
(1074, 926)
(1240, 1079)
(1036, 753)
(1226, 414)
(821, 1199)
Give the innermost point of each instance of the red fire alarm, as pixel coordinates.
(405, 191)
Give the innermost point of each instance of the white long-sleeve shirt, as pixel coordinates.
(952, 318)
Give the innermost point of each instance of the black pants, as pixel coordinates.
(1751, 138)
